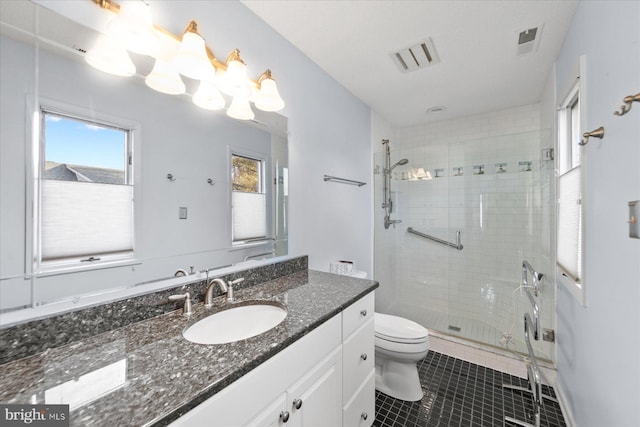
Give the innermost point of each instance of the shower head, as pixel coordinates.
(399, 163)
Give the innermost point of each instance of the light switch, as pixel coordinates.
(182, 212)
(634, 219)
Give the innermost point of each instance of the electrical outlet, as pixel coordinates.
(182, 213)
(549, 335)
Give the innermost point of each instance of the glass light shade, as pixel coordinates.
(192, 60)
(134, 28)
(108, 55)
(208, 96)
(422, 174)
(240, 109)
(234, 81)
(164, 78)
(268, 98)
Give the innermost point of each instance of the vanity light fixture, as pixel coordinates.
(109, 56)
(268, 98)
(192, 60)
(234, 80)
(132, 29)
(240, 108)
(208, 96)
(165, 78)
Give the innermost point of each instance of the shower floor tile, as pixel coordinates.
(460, 393)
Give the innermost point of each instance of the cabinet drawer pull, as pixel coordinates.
(284, 416)
(363, 313)
(297, 403)
(363, 356)
(364, 416)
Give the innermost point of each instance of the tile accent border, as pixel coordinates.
(32, 337)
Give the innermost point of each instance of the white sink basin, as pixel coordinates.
(237, 322)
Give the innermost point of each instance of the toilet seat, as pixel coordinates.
(399, 330)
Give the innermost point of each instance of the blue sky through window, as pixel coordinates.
(76, 142)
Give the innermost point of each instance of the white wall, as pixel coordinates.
(329, 133)
(599, 345)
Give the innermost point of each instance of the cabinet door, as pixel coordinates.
(316, 400)
(271, 415)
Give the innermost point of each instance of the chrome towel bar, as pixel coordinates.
(456, 245)
(344, 180)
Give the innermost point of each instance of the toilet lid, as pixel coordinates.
(399, 329)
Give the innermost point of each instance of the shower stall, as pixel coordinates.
(464, 217)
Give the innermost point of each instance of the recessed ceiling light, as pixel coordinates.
(436, 109)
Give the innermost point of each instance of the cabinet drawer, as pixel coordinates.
(357, 314)
(358, 358)
(360, 410)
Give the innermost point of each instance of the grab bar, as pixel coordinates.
(456, 245)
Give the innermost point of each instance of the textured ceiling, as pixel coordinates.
(476, 41)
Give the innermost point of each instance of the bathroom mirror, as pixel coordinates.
(181, 165)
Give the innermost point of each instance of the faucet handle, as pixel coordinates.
(186, 309)
(230, 288)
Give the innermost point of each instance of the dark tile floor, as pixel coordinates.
(459, 393)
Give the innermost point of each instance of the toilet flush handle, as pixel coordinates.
(363, 313)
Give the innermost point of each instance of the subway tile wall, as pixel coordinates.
(494, 187)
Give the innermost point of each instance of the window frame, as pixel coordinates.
(37, 266)
(265, 189)
(570, 157)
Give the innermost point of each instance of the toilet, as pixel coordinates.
(399, 344)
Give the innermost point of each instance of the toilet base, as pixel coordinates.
(398, 380)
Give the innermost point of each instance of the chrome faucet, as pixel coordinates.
(182, 272)
(224, 287)
(186, 309)
(208, 296)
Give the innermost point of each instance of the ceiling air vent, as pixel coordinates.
(421, 55)
(528, 40)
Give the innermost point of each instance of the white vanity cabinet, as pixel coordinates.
(358, 364)
(304, 384)
(312, 401)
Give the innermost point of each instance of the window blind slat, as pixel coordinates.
(569, 239)
(249, 215)
(82, 219)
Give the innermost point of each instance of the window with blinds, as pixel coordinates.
(570, 224)
(248, 199)
(85, 192)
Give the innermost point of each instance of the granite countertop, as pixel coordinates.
(148, 374)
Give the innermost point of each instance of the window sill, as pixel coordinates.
(575, 289)
(66, 269)
(242, 246)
